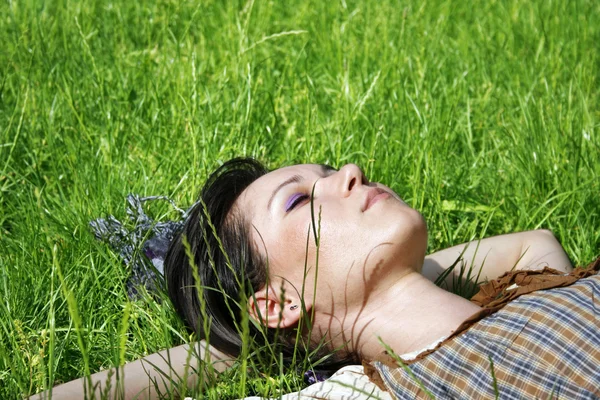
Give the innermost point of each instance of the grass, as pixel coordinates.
(482, 115)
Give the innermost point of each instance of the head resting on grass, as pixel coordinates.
(297, 250)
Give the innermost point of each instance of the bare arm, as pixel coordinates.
(492, 257)
(137, 379)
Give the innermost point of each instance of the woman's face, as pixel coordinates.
(367, 233)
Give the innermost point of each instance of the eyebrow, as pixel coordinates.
(325, 170)
(293, 179)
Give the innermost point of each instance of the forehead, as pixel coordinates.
(276, 176)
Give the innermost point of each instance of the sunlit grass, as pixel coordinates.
(483, 115)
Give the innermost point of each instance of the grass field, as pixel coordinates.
(483, 115)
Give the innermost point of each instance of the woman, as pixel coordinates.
(319, 256)
(372, 283)
(361, 278)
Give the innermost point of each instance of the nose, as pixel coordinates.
(351, 177)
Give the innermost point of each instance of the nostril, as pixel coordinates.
(351, 184)
(364, 180)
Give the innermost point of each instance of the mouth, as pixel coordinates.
(372, 197)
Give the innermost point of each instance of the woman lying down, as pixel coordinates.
(532, 331)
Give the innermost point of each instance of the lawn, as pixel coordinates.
(483, 115)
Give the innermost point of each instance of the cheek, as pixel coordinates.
(341, 241)
(287, 249)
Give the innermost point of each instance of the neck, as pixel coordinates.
(407, 316)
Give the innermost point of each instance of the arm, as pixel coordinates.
(492, 257)
(137, 379)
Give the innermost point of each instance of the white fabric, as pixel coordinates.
(413, 354)
(349, 383)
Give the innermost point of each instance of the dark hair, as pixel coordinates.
(221, 252)
(229, 269)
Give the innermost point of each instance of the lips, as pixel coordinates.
(373, 196)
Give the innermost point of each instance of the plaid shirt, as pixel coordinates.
(545, 344)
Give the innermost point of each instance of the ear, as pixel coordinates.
(270, 308)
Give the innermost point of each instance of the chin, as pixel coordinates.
(410, 237)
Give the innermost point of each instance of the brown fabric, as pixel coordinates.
(496, 292)
(373, 374)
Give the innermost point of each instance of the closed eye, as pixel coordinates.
(295, 200)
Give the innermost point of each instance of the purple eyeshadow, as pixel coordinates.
(292, 201)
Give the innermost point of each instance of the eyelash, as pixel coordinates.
(294, 200)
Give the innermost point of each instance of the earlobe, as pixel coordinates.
(274, 311)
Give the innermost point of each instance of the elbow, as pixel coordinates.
(540, 237)
(541, 249)
(544, 233)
